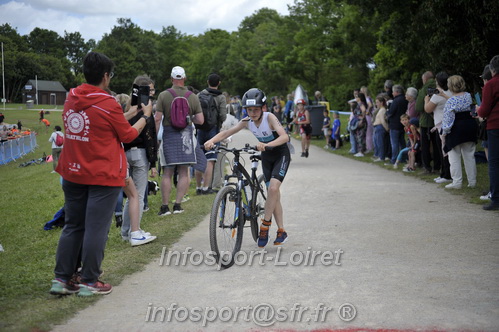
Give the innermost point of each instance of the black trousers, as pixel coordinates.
(429, 150)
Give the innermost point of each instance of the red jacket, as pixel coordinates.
(94, 129)
(490, 103)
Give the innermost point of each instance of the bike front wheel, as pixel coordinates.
(226, 226)
(259, 207)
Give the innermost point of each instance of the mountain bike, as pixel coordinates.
(241, 199)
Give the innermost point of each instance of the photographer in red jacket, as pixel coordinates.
(93, 166)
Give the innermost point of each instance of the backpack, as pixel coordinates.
(59, 140)
(210, 111)
(179, 110)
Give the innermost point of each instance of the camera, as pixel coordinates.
(432, 91)
(140, 95)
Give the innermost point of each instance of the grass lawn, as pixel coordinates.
(30, 196)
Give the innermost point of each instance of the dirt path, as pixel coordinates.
(397, 253)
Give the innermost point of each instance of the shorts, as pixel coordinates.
(203, 136)
(306, 129)
(275, 163)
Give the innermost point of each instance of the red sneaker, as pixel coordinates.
(98, 287)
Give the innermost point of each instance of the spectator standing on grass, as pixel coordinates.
(459, 129)
(56, 149)
(360, 132)
(380, 128)
(178, 145)
(486, 76)
(288, 113)
(353, 106)
(369, 120)
(434, 104)
(93, 168)
(411, 95)
(489, 110)
(429, 145)
(397, 108)
(335, 133)
(203, 180)
(141, 155)
(326, 126)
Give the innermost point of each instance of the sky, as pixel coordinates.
(94, 18)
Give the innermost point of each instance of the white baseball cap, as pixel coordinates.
(178, 73)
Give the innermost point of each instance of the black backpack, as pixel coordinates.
(210, 111)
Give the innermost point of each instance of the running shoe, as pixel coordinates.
(62, 287)
(281, 237)
(97, 288)
(263, 237)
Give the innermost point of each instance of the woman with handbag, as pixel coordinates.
(460, 131)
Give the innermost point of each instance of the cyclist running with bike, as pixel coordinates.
(275, 161)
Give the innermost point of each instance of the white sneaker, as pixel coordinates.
(443, 180)
(453, 186)
(359, 154)
(144, 232)
(437, 179)
(486, 197)
(138, 238)
(377, 160)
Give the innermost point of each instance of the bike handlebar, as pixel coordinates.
(247, 148)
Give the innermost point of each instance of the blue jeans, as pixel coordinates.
(118, 210)
(353, 142)
(493, 140)
(379, 141)
(397, 142)
(403, 153)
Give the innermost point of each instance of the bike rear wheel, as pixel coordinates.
(259, 210)
(226, 226)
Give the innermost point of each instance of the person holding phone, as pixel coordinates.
(93, 171)
(141, 156)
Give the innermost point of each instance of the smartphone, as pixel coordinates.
(144, 94)
(135, 95)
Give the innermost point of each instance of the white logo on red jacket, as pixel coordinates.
(77, 124)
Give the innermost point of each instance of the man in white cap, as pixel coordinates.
(178, 145)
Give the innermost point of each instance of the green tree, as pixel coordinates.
(76, 49)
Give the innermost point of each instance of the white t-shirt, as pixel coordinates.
(438, 112)
(53, 137)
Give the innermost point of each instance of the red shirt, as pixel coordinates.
(490, 103)
(94, 129)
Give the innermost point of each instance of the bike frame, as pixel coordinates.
(240, 173)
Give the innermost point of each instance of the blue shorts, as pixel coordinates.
(203, 136)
